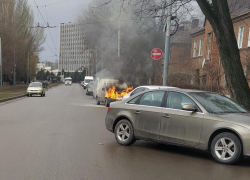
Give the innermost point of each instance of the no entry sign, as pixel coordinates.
(156, 54)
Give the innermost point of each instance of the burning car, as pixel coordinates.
(109, 90)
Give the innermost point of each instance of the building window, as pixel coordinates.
(195, 46)
(240, 36)
(200, 47)
(209, 45)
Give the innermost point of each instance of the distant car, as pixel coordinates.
(143, 88)
(36, 88)
(82, 83)
(45, 84)
(89, 88)
(202, 120)
(68, 81)
(87, 80)
(95, 88)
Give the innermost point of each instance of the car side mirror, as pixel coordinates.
(103, 89)
(189, 107)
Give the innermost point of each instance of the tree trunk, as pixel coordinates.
(218, 15)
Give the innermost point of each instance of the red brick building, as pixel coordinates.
(206, 67)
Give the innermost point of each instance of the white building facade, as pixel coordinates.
(73, 54)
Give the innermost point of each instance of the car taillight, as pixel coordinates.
(108, 109)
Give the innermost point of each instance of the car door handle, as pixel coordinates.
(137, 112)
(165, 116)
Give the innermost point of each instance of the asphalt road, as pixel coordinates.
(59, 136)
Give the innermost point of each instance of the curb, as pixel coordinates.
(12, 98)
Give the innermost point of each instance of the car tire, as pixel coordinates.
(106, 102)
(226, 148)
(87, 93)
(28, 95)
(97, 101)
(44, 94)
(124, 133)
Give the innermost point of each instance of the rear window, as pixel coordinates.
(133, 101)
(152, 98)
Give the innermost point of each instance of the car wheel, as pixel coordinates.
(106, 102)
(124, 133)
(28, 95)
(226, 148)
(87, 93)
(44, 94)
(97, 101)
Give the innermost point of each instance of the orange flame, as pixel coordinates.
(115, 94)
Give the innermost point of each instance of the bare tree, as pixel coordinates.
(16, 20)
(218, 14)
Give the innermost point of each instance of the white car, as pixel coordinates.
(87, 80)
(68, 81)
(144, 88)
(35, 88)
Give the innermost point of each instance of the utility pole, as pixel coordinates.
(102, 61)
(14, 70)
(119, 40)
(1, 78)
(167, 43)
(28, 65)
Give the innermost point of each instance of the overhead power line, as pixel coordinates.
(54, 3)
(45, 23)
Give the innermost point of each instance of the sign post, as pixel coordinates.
(156, 54)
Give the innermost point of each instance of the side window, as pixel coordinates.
(152, 98)
(177, 100)
(133, 101)
(137, 91)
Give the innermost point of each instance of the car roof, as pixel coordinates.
(182, 90)
(155, 87)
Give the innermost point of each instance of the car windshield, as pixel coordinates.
(35, 85)
(87, 80)
(215, 103)
(68, 80)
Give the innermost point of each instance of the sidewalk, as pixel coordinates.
(8, 92)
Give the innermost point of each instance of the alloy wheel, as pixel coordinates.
(123, 132)
(225, 148)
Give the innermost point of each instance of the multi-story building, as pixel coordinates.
(73, 54)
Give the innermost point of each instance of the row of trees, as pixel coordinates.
(19, 40)
(76, 76)
(42, 75)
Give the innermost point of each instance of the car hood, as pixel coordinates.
(34, 88)
(238, 118)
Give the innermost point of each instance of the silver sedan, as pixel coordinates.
(197, 119)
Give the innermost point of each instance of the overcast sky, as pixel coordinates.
(63, 12)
